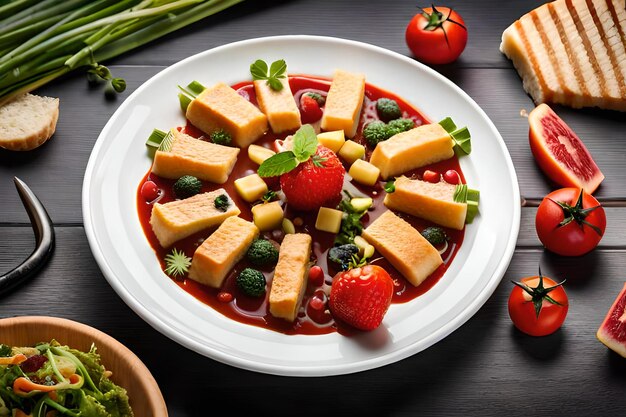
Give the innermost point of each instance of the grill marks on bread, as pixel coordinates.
(572, 52)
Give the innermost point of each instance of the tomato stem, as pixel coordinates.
(436, 19)
(539, 293)
(577, 213)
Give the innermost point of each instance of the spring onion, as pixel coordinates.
(43, 40)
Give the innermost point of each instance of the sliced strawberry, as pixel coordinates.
(315, 182)
(310, 111)
(361, 297)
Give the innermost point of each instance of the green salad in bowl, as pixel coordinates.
(49, 379)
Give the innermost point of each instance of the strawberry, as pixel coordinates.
(361, 296)
(310, 111)
(314, 182)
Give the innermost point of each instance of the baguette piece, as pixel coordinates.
(344, 103)
(571, 52)
(27, 122)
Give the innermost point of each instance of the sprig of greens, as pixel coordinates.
(304, 147)
(461, 137)
(273, 74)
(351, 225)
(177, 263)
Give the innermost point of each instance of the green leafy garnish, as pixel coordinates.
(276, 71)
(461, 137)
(156, 138)
(351, 225)
(188, 93)
(390, 186)
(5, 350)
(177, 263)
(221, 202)
(304, 147)
(269, 196)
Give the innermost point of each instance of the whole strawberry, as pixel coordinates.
(361, 296)
(314, 182)
(310, 175)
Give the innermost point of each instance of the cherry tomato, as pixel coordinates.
(149, 191)
(452, 177)
(570, 222)
(437, 35)
(431, 176)
(316, 275)
(310, 110)
(539, 309)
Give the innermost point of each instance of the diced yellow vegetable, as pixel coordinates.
(332, 140)
(351, 151)
(364, 172)
(268, 216)
(251, 188)
(258, 154)
(368, 252)
(361, 203)
(361, 243)
(328, 220)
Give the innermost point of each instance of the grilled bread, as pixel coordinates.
(571, 52)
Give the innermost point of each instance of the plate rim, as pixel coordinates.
(324, 370)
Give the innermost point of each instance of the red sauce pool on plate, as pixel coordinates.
(314, 317)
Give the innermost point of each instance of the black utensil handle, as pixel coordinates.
(44, 236)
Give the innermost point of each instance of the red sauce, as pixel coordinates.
(312, 319)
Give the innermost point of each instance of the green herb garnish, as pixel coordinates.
(390, 186)
(177, 263)
(276, 71)
(351, 225)
(461, 137)
(269, 196)
(221, 202)
(304, 147)
(5, 350)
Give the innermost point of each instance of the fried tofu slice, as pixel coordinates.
(186, 155)
(412, 149)
(404, 247)
(344, 102)
(219, 253)
(221, 107)
(434, 202)
(290, 276)
(181, 218)
(279, 106)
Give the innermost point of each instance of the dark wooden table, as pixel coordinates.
(484, 368)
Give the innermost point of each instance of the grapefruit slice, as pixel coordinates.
(612, 332)
(560, 153)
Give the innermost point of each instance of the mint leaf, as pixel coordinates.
(304, 143)
(258, 69)
(278, 164)
(277, 70)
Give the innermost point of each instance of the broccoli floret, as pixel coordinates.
(400, 125)
(221, 202)
(342, 255)
(262, 253)
(221, 137)
(375, 132)
(251, 282)
(388, 109)
(187, 186)
(435, 235)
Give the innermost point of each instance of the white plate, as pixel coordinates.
(119, 161)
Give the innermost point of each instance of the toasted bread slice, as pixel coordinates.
(571, 52)
(27, 122)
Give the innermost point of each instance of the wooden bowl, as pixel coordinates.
(128, 370)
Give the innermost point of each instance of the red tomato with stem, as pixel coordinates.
(437, 35)
(538, 305)
(570, 222)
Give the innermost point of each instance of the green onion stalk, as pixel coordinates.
(44, 40)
